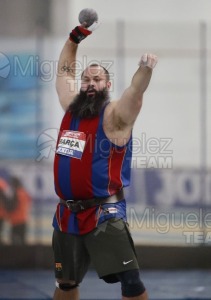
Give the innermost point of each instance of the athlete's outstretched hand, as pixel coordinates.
(148, 60)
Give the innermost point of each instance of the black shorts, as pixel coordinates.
(109, 247)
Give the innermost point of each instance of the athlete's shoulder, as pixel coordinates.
(110, 107)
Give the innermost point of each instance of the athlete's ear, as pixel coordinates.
(108, 85)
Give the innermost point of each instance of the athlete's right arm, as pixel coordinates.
(66, 84)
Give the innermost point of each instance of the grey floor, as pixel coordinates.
(39, 284)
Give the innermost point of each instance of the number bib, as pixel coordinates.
(71, 143)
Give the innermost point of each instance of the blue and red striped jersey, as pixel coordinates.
(102, 170)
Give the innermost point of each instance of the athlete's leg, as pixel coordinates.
(132, 286)
(114, 244)
(71, 264)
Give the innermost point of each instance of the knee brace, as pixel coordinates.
(65, 286)
(131, 284)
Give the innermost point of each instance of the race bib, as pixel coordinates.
(71, 143)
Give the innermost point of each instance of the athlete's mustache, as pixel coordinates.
(88, 104)
(91, 90)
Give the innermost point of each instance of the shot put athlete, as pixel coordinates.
(91, 169)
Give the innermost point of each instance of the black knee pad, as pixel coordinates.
(132, 285)
(66, 286)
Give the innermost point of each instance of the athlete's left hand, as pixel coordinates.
(148, 60)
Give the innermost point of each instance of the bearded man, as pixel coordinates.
(91, 168)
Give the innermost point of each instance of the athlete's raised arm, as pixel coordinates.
(66, 83)
(128, 106)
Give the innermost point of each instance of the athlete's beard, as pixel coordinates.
(85, 106)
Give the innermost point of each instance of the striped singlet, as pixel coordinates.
(102, 170)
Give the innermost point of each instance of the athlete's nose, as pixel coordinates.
(92, 82)
(91, 86)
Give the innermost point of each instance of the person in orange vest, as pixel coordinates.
(18, 212)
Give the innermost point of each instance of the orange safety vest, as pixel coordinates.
(21, 212)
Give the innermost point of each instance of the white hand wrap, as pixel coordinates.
(148, 60)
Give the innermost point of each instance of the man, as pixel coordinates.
(91, 168)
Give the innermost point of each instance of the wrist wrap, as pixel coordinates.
(78, 34)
